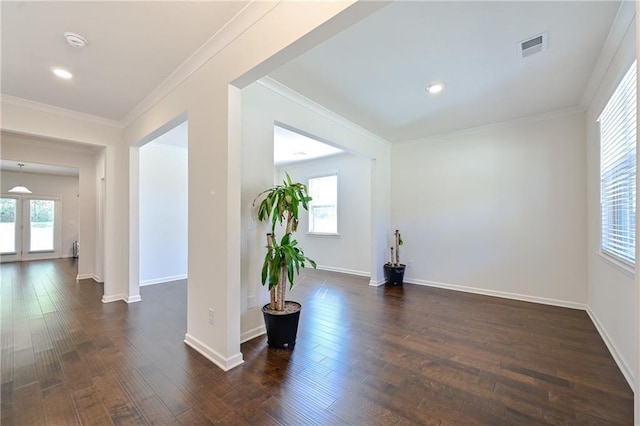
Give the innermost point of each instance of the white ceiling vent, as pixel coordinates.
(533, 45)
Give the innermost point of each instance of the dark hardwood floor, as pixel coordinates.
(364, 356)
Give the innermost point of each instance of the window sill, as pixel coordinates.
(41, 251)
(323, 234)
(621, 266)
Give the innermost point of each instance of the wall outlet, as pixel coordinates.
(252, 302)
(211, 316)
(410, 264)
(252, 224)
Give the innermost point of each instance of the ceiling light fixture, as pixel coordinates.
(62, 73)
(19, 189)
(435, 88)
(75, 40)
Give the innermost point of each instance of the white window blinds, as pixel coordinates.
(618, 171)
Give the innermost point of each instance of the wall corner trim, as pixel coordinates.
(38, 106)
(85, 277)
(253, 333)
(624, 368)
(212, 355)
(621, 24)
(163, 280)
(502, 294)
(244, 19)
(133, 299)
(343, 271)
(113, 298)
(378, 283)
(307, 103)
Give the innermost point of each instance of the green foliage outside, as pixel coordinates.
(7, 210)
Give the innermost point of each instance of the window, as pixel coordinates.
(618, 171)
(323, 208)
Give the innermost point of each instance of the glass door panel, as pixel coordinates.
(41, 225)
(8, 226)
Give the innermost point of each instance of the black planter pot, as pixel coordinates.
(282, 328)
(394, 274)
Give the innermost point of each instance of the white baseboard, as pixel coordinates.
(626, 371)
(344, 271)
(253, 333)
(113, 298)
(497, 293)
(97, 278)
(84, 276)
(163, 280)
(377, 283)
(133, 299)
(212, 355)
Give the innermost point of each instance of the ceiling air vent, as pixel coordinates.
(533, 45)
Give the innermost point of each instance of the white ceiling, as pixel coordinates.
(48, 169)
(293, 147)
(133, 47)
(375, 72)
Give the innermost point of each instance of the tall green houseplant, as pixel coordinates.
(282, 204)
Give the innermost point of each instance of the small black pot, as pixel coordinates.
(282, 328)
(394, 274)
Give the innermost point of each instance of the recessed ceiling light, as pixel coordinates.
(435, 88)
(75, 40)
(62, 73)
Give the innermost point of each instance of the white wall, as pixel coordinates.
(163, 213)
(265, 103)
(348, 252)
(499, 210)
(612, 291)
(65, 187)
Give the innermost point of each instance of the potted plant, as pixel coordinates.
(394, 270)
(281, 204)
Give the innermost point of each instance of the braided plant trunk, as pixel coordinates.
(281, 204)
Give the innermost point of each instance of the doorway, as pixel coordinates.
(29, 227)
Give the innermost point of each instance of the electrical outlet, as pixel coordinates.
(211, 316)
(410, 264)
(252, 302)
(252, 224)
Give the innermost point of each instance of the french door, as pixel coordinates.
(29, 227)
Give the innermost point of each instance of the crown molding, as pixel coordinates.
(26, 103)
(495, 126)
(237, 25)
(46, 142)
(623, 20)
(305, 102)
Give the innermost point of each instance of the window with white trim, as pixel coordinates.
(618, 171)
(323, 208)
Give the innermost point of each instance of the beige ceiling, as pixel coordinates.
(133, 47)
(375, 72)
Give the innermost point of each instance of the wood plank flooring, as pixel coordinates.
(364, 356)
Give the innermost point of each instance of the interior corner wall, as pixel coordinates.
(262, 107)
(163, 213)
(65, 187)
(349, 251)
(500, 210)
(613, 303)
